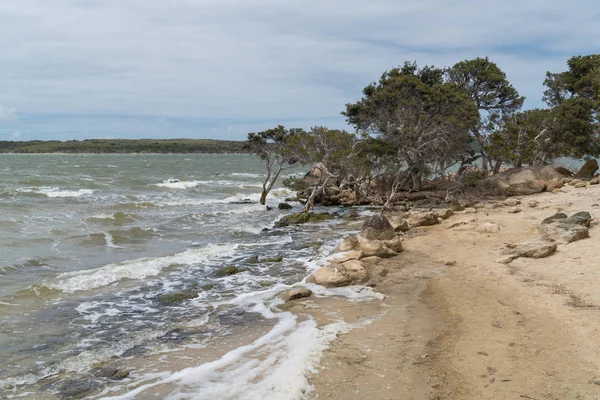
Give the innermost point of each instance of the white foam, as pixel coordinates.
(247, 175)
(172, 184)
(135, 269)
(56, 192)
(109, 241)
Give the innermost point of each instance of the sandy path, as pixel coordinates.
(477, 329)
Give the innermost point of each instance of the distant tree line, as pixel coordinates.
(416, 122)
(123, 146)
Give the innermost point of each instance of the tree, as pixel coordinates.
(492, 94)
(417, 114)
(331, 151)
(574, 96)
(272, 147)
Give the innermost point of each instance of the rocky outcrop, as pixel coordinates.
(302, 218)
(588, 170)
(377, 227)
(562, 229)
(533, 249)
(563, 171)
(428, 218)
(522, 181)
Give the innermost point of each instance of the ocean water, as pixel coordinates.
(91, 244)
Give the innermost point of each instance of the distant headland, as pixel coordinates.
(124, 146)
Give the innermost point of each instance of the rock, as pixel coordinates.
(351, 255)
(296, 293)
(511, 202)
(534, 249)
(352, 215)
(111, 373)
(444, 213)
(487, 227)
(377, 227)
(347, 197)
(564, 234)
(284, 206)
(356, 271)
(302, 218)
(574, 182)
(335, 275)
(582, 218)
(272, 259)
(253, 260)
(394, 244)
(348, 243)
(514, 210)
(422, 219)
(588, 170)
(208, 286)
(230, 270)
(521, 181)
(399, 224)
(580, 185)
(533, 204)
(374, 248)
(176, 298)
(76, 389)
(595, 181)
(373, 260)
(563, 171)
(555, 217)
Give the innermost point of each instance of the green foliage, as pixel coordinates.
(123, 146)
(417, 115)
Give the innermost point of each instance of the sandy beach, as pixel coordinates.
(456, 324)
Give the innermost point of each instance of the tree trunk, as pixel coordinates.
(497, 167)
(311, 199)
(263, 197)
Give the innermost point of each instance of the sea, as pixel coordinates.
(94, 246)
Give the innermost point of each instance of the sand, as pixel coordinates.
(456, 324)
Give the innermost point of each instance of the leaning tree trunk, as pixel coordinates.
(311, 199)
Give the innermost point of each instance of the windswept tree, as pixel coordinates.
(272, 147)
(331, 151)
(424, 119)
(574, 96)
(493, 96)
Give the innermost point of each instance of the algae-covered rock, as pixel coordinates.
(284, 206)
(302, 218)
(296, 293)
(229, 270)
(272, 259)
(253, 260)
(208, 287)
(176, 298)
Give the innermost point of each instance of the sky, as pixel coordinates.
(77, 69)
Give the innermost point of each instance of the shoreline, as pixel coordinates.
(457, 324)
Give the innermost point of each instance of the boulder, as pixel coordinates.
(377, 227)
(588, 170)
(284, 206)
(351, 255)
(176, 298)
(595, 181)
(521, 181)
(352, 215)
(514, 210)
(582, 218)
(533, 249)
(580, 185)
(349, 243)
(563, 171)
(335, 275)
(399, 224)
(302, 218)
(444, 213)
(347, 197)
(394, 244)
(374, 248)
(229, 270)
(554, 218)
(533, 204)
(296, 293)
(563, 229)
(422, 219)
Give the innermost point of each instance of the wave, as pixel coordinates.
(56, 192)
(136, 269)
(177, 184)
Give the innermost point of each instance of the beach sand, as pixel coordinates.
(456, 324)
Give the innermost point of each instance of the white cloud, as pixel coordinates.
(7, 114)
(15, 135)
(266, 58)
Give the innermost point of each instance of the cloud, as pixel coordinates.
(265, 59)
(7, 114)
(15, 135)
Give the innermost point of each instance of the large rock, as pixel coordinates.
(522, 181)
(335, 275)
(361, 247)
(563, 171)
(377, 227)
(487, 227)
(399, 224)
(533, 249)
(588, 170)
(375, 248)
(394, 244)
(562, 229)
(302, 218)
(422, 219)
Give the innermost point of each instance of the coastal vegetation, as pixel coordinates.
(418, 126)
(123, 146)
